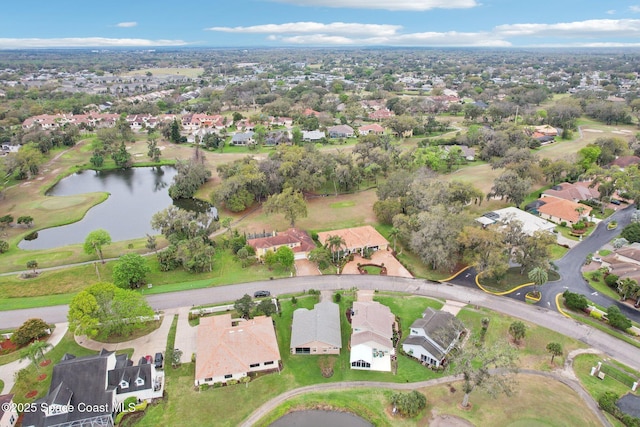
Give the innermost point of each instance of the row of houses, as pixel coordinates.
(232, 349)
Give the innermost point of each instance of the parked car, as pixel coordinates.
(149, 359)
(261, 294)
(159, 359)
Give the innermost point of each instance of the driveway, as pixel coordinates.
(394, 267)
(304, 267)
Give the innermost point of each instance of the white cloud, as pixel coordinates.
(127, 24)
(7, 43)
(341, 28)
(590, 28)
(415, 5)
(634, 9)
(611, 12)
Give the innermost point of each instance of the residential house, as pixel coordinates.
(101, 382)
(625, 161)
(8, 411)
(341, 131)
(372, 337)
(281, 121)
(468, 153)
(313, 136)
(298, 240)
(433, 336)
(561, 210)
(381, 114)
(230, 349)
(530, 223)
(577, 191)
(310, 112)
(244, 138)
(356, 239)
(316, 331)
(624, 262)
(375, 129)
(245, 125)
(276, 138)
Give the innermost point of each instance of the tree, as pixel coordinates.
(244, 306)
(30, 330)
(487, 367)
(121, 156)
(130, 271)
(175, 357)
(33, 264)
(575, 301)
(617, 319)
(34, 351)
(334, 244)
(151, 243)
(94, 242)
(555, 349)
(409, 404)
(174, 135)
(107, 309)
(289, 202)
(631, 232)
(321, 256)
(191, 175)
(539, 277)
(266, 307)
(153, 151)
(285, 257)
(4, 246)
(517, 330)
(26, 220)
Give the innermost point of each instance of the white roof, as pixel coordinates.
(530, 223)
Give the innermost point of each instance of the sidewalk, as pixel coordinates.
(149, 344)
(8, 371)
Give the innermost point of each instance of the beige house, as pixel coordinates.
(316, 331)
(230, 349)
(356, 239)
(299, 241)
(562, 210)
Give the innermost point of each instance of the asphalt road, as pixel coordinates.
(615, 348)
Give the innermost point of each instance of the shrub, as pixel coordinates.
(217, 385)
(337, 297)
(596, 314)
(611, 280)
(575, 301)
(204, 387)
(232, 382)
(617, 319)
(30, 330)
(409, 404)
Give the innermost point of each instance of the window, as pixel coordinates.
(228, 376)
(209, 379)
(139, 382)
(360, 364)
(303, 350)
(124, 384)
(254, 365)
(269, 363)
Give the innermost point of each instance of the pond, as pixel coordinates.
(135, 195)
(318, 418)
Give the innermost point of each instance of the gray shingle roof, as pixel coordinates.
(441, 326)
(320, 324)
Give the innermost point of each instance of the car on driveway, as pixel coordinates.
(159, 360)
(149, 359)
(261, 294)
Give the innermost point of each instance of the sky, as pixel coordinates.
(320, 23)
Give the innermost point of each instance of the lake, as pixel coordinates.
(135, 195)
(318, 418)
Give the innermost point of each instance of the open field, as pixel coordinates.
(562, 406)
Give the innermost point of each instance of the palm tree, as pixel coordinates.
(394, 233)
(627, 287)
(35, 351)
(539, 277)
(335, 243)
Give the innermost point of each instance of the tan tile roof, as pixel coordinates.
(290, 236)
(225, 349)
(355, 238)
(563, 209)
(576, 191)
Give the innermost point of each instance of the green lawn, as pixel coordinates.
(512, 280)
(596, 387)
(600, 286)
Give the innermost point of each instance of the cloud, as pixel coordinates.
(127, 24)
(7, 43)
(414, 5)
(590, 28)
(634, 9)
(341, 28)
(611, 12)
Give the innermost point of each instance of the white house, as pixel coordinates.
(372, 336)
